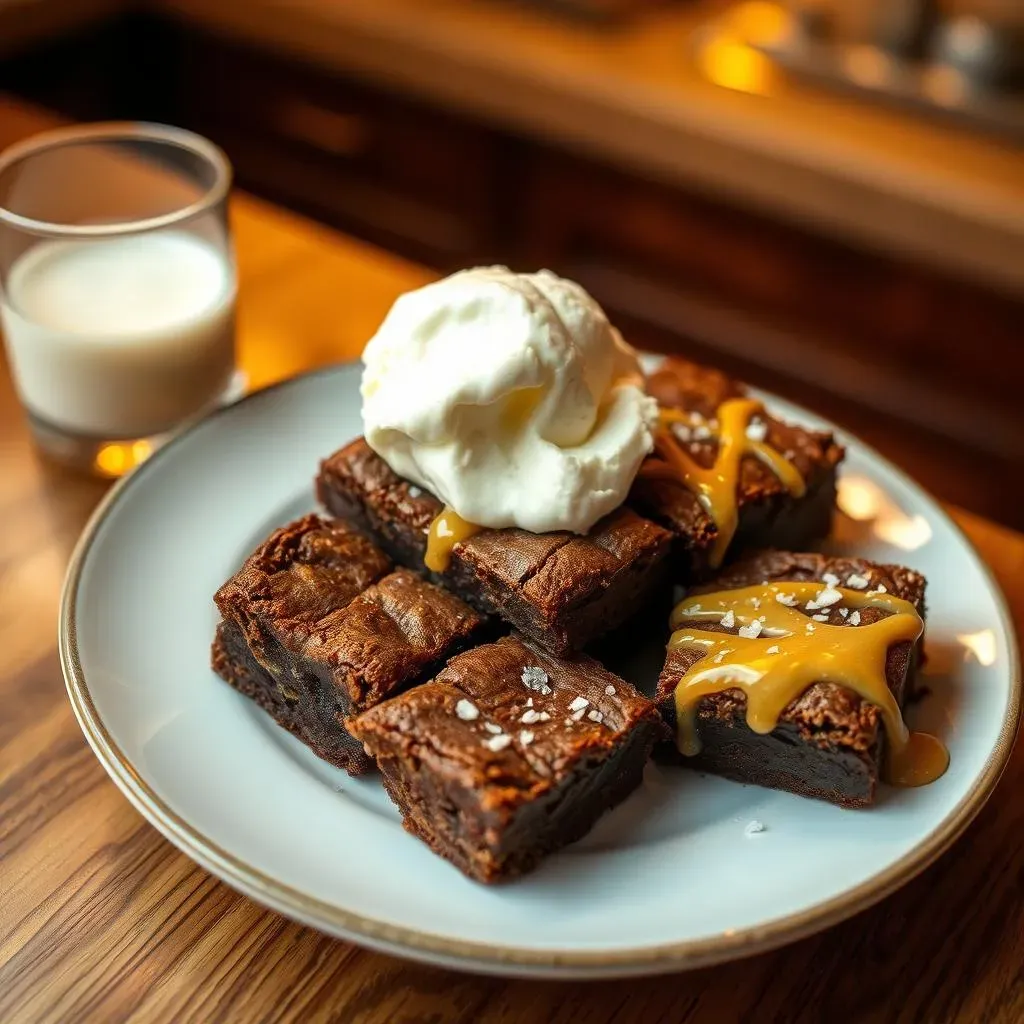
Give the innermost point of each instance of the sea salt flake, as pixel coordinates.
(787, 599)
(529, 702)
(610, 690)
(577, 716)
(812, 606)
(810, 627)
(595, 716)
(466, 710)
(494, 730)
(536, 679)
(525, 737)
(820, 618)
(857, 582)
(752, 631)
(844, 612)
(729, 619)
(497, 743)
(692, 610)
(757, 430)
(530, 716)
(415, 492)
(774, 649)
(578, 704)
(756, 602)
(701, 432)
(827, 598)
(854, 619)
(880, 589)
(754, 828)
(830, 580)
(544, 717)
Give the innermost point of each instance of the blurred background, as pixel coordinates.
(826, 198)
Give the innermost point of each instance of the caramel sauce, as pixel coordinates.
(447, 530)
(519, 407)
(716, 486)
(790, 654)
(923, 760)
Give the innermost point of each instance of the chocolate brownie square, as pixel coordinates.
(561, 589)
(510, 753)
(314, 632)
(769, 515)
(829, 743)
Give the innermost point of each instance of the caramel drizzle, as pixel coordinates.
(447, 530)
(716, 486)
(790, 654)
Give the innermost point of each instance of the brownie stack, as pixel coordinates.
(499, 740)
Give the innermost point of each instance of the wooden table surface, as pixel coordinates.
(103, 920)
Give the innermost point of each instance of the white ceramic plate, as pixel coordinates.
(668, 880)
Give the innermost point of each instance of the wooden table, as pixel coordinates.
(103, 920)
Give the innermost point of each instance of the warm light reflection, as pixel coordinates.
(867, 65)
(734, 65)
(758, 21)
(981, 644)
(944, 85)
(729, 58)
(864, 501)
(116, 459)
(859, 498)
(903, 532)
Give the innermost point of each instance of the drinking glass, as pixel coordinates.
(117, 287)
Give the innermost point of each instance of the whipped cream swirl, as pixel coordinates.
(510, 397)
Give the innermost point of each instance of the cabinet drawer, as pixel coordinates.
(400, 174)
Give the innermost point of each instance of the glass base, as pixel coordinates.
(110, 458)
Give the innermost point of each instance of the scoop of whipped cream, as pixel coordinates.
(510, 397)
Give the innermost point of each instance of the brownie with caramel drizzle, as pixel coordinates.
(775, 488)
(562, 589)
(826, 740)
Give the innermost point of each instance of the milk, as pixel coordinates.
(120, 338)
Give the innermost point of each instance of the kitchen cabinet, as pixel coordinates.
(922, 363)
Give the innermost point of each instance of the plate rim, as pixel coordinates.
(488, 957)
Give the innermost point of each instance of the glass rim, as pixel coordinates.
(118, 131)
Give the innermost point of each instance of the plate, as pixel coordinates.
(669, 880)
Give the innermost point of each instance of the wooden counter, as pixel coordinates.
(103, 920)
(632, 97)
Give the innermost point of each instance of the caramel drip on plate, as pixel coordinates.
(716, 486)
(447, 530)
(790, 653)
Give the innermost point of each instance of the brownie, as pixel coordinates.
(769, 516)
(316, 629)
(510, 754)
(829, 743)
(561, 589)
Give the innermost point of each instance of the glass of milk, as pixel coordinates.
(117, 287)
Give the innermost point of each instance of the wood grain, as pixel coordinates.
(102, 920)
